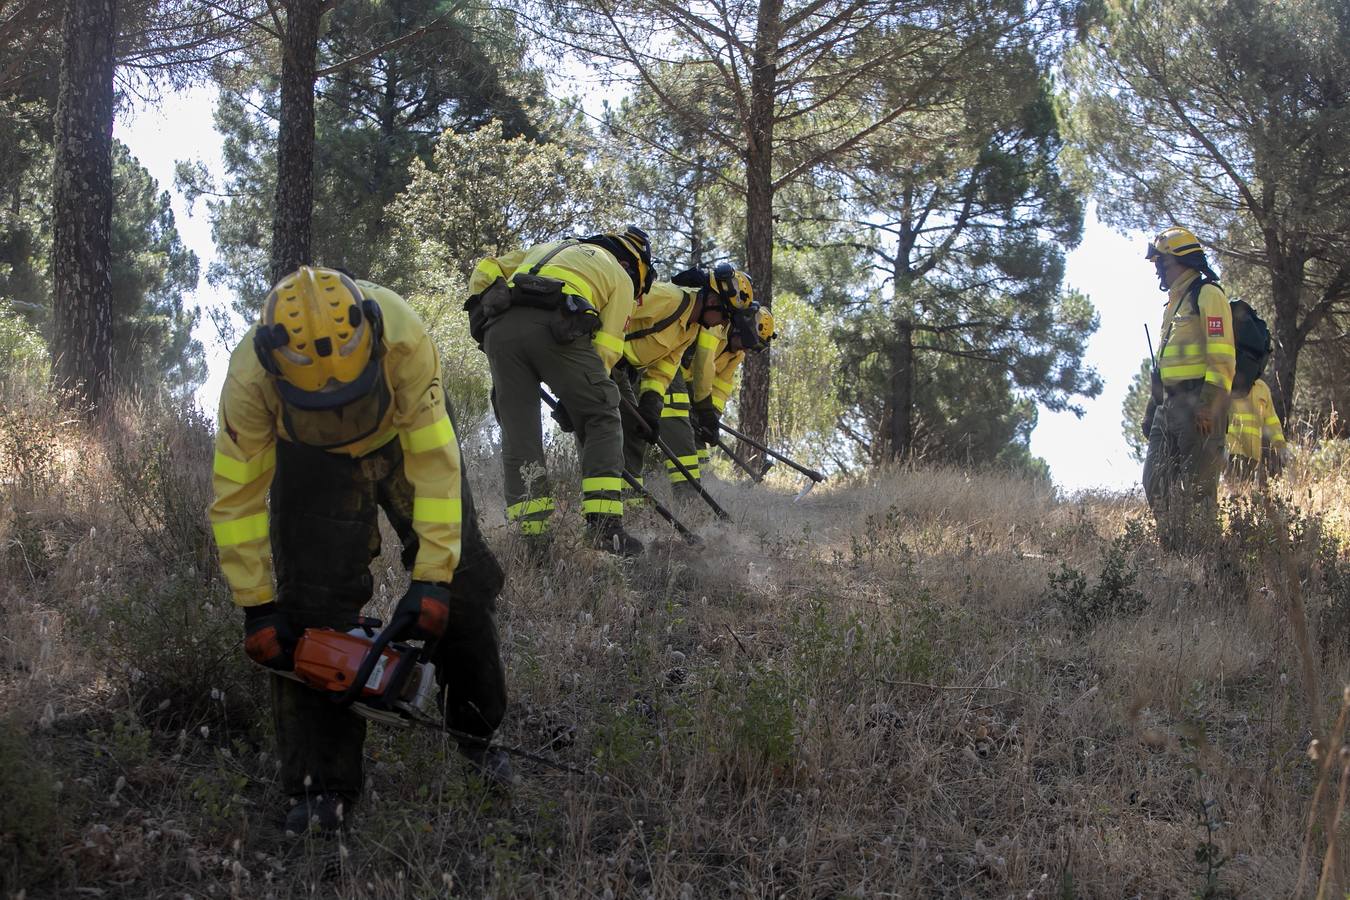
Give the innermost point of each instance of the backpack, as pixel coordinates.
(1251, 338)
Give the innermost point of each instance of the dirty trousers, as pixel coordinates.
(325, 534)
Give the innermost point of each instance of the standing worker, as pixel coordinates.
(1254, 429)
(334, 401)
(1196, 363)
(672, 317)
(557, 314)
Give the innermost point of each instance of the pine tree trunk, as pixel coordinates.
(1283, 367)
(902, 391)
(754, 400)
(82, 206)
(696, 187)
(291, 218)
(1286, 294)
(754, 405)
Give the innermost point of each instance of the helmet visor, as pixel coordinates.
(745, 331)
(329, 427)
(337, 395)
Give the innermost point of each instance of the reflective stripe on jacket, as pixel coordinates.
(1197, 338)
(1252, 421)
(703, 365)
(587, 271)
(725, 379)
(714, 368)
(250, 423)
(657, 355)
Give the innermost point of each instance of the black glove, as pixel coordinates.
(563, 418)
(423, 612)
(269, 637)
(650, 405)
(708, 422)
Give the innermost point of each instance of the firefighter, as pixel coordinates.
(334, 401)
(556, 314)
(717, 358)
(672, 318)
(1254, 428)
(1186, 420)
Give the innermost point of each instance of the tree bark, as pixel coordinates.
(294, 208)
(902, 391)
(755, 383)
(82, 205)
(695, 207)
(1287, 285)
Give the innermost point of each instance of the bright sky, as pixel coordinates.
(1108, 267)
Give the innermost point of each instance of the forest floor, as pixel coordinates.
(918, 683)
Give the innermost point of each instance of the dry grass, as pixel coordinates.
(874, 692)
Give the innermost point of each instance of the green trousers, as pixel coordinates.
(678, 433)
(523, 354)
(1181, 475)
(675, 432)
(325, 534)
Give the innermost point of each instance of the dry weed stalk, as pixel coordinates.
(1281, 564)
(1326, 882)
(1280, 561)
(1318, 753)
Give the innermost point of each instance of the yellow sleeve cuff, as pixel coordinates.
(254, 596)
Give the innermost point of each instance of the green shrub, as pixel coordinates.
(21, 347)
(622, 738)
(1113, 595)
(765, 724)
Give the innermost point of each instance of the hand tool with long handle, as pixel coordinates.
(638, 486)
(756, 477)
(675, 460)
(809, 473)
(666, 514)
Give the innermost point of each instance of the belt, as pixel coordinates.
(1184, 387)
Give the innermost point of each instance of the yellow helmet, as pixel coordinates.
(764, 324)
(733, 286)
(751, 329)
(1174, 241)
(321, 338)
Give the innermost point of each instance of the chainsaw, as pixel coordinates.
(362, 668)
(386, 682)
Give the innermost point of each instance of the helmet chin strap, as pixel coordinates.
(1160, 266)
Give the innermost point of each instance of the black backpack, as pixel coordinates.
(1251, 338)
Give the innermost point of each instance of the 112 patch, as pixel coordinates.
(1215, 326)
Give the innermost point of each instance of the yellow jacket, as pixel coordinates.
(714, 368)
(656, 354)
(1252, 422)
(588, 271)
(250, 423)
(1197, 338)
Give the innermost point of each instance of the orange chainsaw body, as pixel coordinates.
(328, 660)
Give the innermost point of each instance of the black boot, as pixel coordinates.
(491, 764)
(321, 813)
(606, 533)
